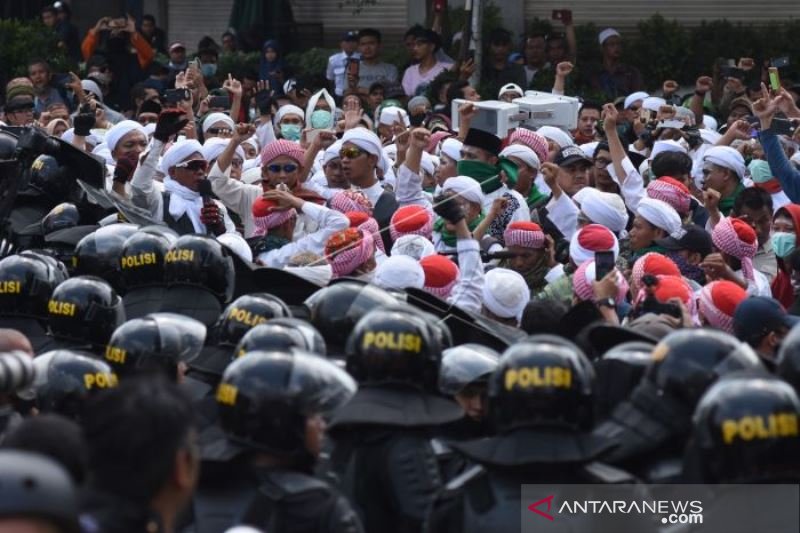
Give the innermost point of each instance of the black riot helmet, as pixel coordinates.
(34, 486)
(314, 341)
(26, 284)
(98, 254)
(141, 259)
(200, 261)
(49, 178)
(66, 379)
(335, 310)
(390, 346)
(788, 366)
(85, 310)
(465, 365)
(541, 384)
(59, 269)
(687, 362)
(264, 399)
(618, 372)
(270, 337)
(746, 431)
(246, 312)
(62, 216)
(156, 343)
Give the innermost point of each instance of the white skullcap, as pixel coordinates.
(589, 149)
(710, 123)
(252, 176)
(213, 118)
(414, 246)
(180, 152)
(214, 147)
(150, 129)
(635, 97)
(605, 34)
(604, 208)
(331, 152)
(92, 87)
(451, 147)
(558, 136)
(590, 239)
(288, 109)
(364, 139)
(467, 188)
(661, 215)
(120, 130)
(390, 115)
(236, 243)
(653, 103)
(253, 141)
(726, 157)
(523, 153)
(510, 88)
(666, 146)
(399, 272)
(426, 163)
(505, 293)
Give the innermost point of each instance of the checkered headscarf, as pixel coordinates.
(364, 222)
(718, 302)
(532, 140)
(441, 275)
(275, 149)
(351, 200)
(348, 249)
(735, 237)
(411, 220)
(583, 278)
(671, 191)
(527, 234)
(265, 220)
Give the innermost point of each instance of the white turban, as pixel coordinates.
(237, 244)
(709, 136)
(591, 239)
(103, 151)
(505, 293)
(331, 152)
(523, 153)
(364, 139)
(558, 136)
(213, 118)
(390, 115)
(288, 110)
(150, 129)
(390, 151)
(399, 272)
(92, 87)
(253, 141)
(635, 97)
(465, 187)
(604, 208)
(412, 245)
(666, 146)
(710, 123)
(213, 148)
(427, 164)
(605, 34)
(180, 152)
(252, 176)
(661, 215)
(451, 147)
(726, 157)
(119, 130)
(653, 103)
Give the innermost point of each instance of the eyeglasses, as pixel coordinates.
(351, 152)
(194, 165)
(602, 162)
(219, 131)
(288, 168)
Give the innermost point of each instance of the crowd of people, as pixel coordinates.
(287, 303)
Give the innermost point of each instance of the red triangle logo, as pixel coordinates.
(548, 500)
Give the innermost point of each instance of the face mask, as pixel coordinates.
(783, 243)
(321, 118)
(291, 132)
(208, 69)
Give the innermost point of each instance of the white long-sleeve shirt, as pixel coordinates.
(327, 220)
(468, 292)
(632, 184)
(146, 193)
(563, 213)
(409, 189)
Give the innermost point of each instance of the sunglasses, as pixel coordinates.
(220, 131)
(288, 168)
(351, 152)
(194, 165)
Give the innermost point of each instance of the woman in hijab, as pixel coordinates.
(272, 67)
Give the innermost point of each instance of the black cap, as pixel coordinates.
(757, 316)
(696, 239)
(570, 155)
(150, 106)
(350, 36)
(483, 140)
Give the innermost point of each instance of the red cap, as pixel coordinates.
(356, 218)
(262, 206)
(596, 238)
(439, 270)
(727, 295)
(744, 231)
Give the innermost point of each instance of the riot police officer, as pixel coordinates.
(382, 439)
(617, 372)
(540, 405)
(98, 254)
(83, 312)
(788, 361)
(141, 262)
(651, 427)
(464, 375)
(271, 407)
(160, 343)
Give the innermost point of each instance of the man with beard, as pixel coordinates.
(532, 255)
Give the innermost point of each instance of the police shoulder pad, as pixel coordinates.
(607, 474)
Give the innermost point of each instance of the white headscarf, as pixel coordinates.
(523, 153)
(120, 130)
(214, 147)
(661, 215)
(364, 139)
(312, 105)
(213, 118)
(182, 199)
(726, 157)
(558, 136)
(465, 187)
